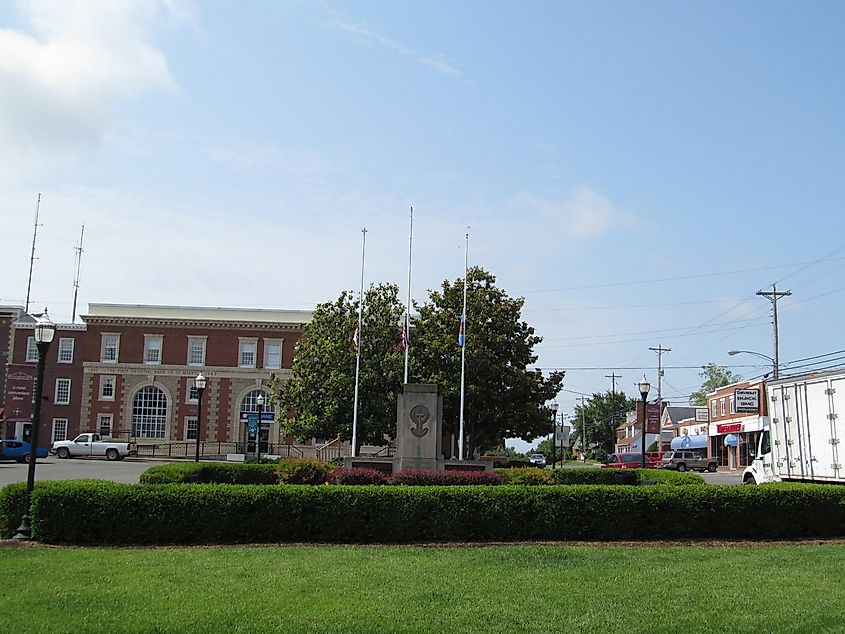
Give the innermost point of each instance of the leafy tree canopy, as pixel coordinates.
(599, 417)
(504, 398)
(318, 395)
(714, 377)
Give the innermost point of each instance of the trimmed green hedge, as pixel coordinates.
(211, 472)
(535, 476)
(100, 513)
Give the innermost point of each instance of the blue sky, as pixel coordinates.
(635, 170)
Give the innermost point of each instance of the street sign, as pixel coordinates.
(562, 436)
(252, 420)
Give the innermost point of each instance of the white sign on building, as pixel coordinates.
(747, 401)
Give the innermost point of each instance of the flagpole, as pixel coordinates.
(463, 350)
(358, 346)
(407, 331)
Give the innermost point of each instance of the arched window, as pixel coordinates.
(249, 406)
(149, 413)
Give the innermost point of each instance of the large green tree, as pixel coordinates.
(504, 397)
(714, 377)
(317, 398)
(599, 417)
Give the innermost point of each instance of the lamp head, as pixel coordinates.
(555, 406)
(259, 400)
(644, 386)
(45, 329)
(733, 352)
(200, 381)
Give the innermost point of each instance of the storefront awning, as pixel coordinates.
(731, 440)
(698, 441)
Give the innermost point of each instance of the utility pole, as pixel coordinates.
(659, 350)
(613, 376)
(773, 297)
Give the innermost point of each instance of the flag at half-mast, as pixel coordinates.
(462, 331)
(405, 335)
(356, 337)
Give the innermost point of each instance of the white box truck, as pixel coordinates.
(802, 440)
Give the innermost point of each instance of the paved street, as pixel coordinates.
(52, 468)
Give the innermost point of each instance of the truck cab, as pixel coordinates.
(760, 470)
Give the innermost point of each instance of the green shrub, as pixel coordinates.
(517, 463)
(527, 475)
(12, 497)
(585, 476)
(302, 471)
(107, 513)
(666, 476)
(211, 472)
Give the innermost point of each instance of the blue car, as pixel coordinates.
(19, 450)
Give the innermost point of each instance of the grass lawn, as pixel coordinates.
(677, 589)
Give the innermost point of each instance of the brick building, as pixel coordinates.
(128, 372)
(734, 428)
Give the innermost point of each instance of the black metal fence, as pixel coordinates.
(213, 449)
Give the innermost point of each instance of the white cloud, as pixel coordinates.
(363, 32)
(63, 80)
(586, 215)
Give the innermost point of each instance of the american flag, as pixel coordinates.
(405, 335)
(461, 337)
(356, 337)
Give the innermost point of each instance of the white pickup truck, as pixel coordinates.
(90, 445)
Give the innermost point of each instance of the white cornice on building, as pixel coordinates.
(98, 313)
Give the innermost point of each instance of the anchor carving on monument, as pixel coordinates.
(419, 415)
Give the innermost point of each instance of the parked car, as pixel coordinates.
(537, 459)
(91, 445)
(628, 461)
(19, 450)
(687, 460)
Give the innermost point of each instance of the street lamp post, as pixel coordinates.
(554, 407)
(259, 400)
(45, 330)
(200, 381)
(775, 369)
(644, 386)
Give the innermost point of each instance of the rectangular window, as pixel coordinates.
(714, 412)
(104, 424)
(152, 350)
(66, 350)
(59, 429)
(272, 354)
(722, 406)
(106, 388)
(193, 392)
(733, 406)
(62, 392)
(246, 353)
(31, 350)
(191, 427)
(196, 351)
(110, 350)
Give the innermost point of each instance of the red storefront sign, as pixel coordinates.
(728, 428)
(20, 382)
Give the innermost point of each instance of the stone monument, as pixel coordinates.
(419, 434)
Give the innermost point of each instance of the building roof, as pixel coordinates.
(132, 312)
(679, 413)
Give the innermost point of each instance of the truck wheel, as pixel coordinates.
(711, 467)
(63, 452)
(682, 467)
(112, 454)
(749, 480)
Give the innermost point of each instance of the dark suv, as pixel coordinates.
(687, 460)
